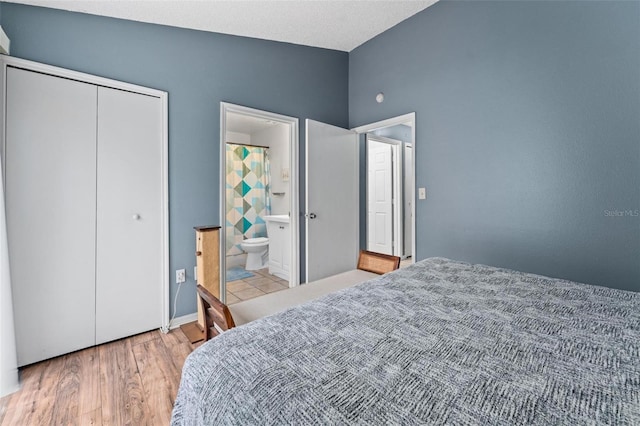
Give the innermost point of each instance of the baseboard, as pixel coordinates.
(177, 322)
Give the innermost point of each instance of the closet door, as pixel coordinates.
(129, 223)
(50, 162)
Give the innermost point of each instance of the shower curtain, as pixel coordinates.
(247, 194)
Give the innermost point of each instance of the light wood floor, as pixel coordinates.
(132, 381)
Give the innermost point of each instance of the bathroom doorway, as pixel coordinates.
(259, 203)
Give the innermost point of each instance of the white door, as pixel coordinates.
(379, 197)
(50, 163)
(129, 224)
(408, 198)
(332, 200)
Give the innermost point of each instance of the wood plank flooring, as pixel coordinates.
(133, 381)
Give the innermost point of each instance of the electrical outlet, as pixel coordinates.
(181, 276)
(195, 272)
(422, 193)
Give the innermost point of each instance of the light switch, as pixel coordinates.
(422, 193)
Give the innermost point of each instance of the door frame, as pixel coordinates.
(397, 194)
(294, 203)
(407, 147)
(402, 119)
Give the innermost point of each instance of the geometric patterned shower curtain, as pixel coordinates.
(247, 193)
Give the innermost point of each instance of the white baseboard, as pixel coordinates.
(177, 322)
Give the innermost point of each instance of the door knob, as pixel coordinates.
(136, 217)
(311, 216)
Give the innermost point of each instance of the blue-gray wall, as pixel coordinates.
(198, 70)
(528, 131)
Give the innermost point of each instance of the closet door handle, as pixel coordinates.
(136, 217)
(198, 253)
(311, 216)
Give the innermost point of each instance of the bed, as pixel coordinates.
(438, 342)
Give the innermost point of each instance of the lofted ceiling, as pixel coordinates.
(332, 24)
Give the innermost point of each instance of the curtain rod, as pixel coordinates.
(247, 144)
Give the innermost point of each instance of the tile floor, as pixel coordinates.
(258, 285)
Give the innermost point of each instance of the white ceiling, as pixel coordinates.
(240, 123)
(332, 24)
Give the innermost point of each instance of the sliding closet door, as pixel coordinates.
(50, 162)
(129, 224)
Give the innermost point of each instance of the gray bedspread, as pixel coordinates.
(438, 342)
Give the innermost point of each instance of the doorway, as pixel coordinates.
(258, 203)
(389, 182)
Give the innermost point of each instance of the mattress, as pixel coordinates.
(438, 342)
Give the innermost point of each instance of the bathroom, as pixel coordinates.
(257, 240)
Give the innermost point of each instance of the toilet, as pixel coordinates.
(257, 250)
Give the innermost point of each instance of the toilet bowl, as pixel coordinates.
(257, 250)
